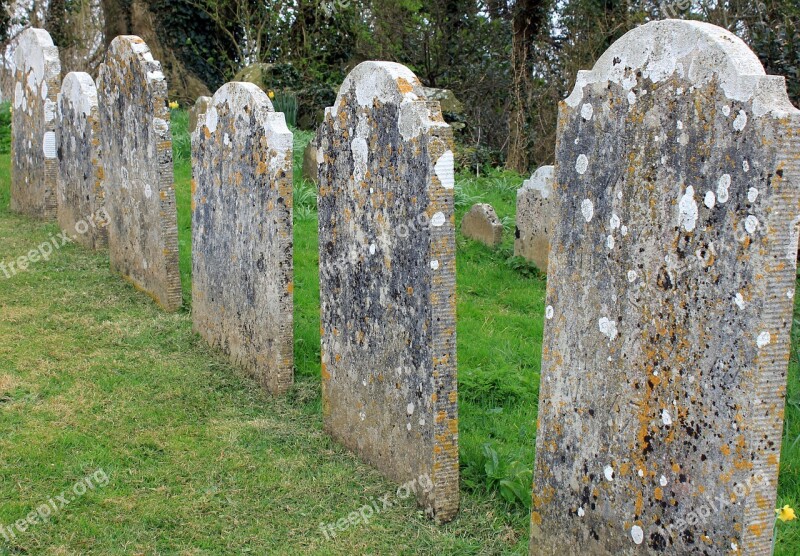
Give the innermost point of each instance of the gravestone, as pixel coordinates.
(481, 224)
(387, 280)
(137, 162)
(195, 112)
(37, 79)
(535, 217)
(81, 210)
(669, 306)
(311, 162)
(242, 233)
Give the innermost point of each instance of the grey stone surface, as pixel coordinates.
(37, 80)
(669, 306)
(448, 101)
(481, 224)
(137, 161)
(311, 162)
(535, 217)
(81, 202)
(242, 233)
(198, 110)
(387, 281)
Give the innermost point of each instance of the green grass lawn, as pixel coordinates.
(200, 461)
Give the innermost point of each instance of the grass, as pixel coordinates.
(201, 461)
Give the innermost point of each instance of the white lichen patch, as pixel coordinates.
(587, 111)
(666, 418)
(548, 312)
(438, 219)
(741, 121)
(763, 339)
(607, 327)
(752, 194)
(582, 164)
(751, 224)
(637, 534)
(610, 242)
(211, 119)
(687, 208)
(614, 222)
(444, 170)
(710, 199)
(587, 209)
(435, 264)
(723, 184)
(739, 300)
(632, 276)
(608, 472)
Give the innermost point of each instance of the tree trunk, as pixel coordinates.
(527, 19)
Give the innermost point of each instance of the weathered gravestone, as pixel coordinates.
(535, 217)
(311, 162)
(197, 111)
(35, 165)
(387, 281)
(81, 210)
(242, 233)
(482, 224)
(137, 161)
(669, 304)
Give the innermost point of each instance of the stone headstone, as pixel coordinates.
(448, 101)
(199, 109)
(669, 305)
(481, 224)
(535, 217)
(311, 162)
(137, 162)
(81, 202)
(242, 233)
(387, 281)
(37, 80)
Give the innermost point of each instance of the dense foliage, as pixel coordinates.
(508, 61)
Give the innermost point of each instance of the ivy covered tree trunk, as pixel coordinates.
(527, 20)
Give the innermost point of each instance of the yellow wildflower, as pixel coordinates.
(271, 94)
(786, 513)
(174, 105)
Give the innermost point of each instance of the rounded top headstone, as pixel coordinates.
(695, 51)
(34, 49)
(79, 90)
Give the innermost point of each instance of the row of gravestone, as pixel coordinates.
(676, 206)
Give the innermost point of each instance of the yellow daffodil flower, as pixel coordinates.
(786, 513)
(174, 104)
(271, 94)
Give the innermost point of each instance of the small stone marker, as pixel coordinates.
(311, 162)
(481, 224)
(137, 162)
(195, 112)
(242, 233)
(535, 217)
(387, 281)
(669, 303)
(37, 80)
(81, 210)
